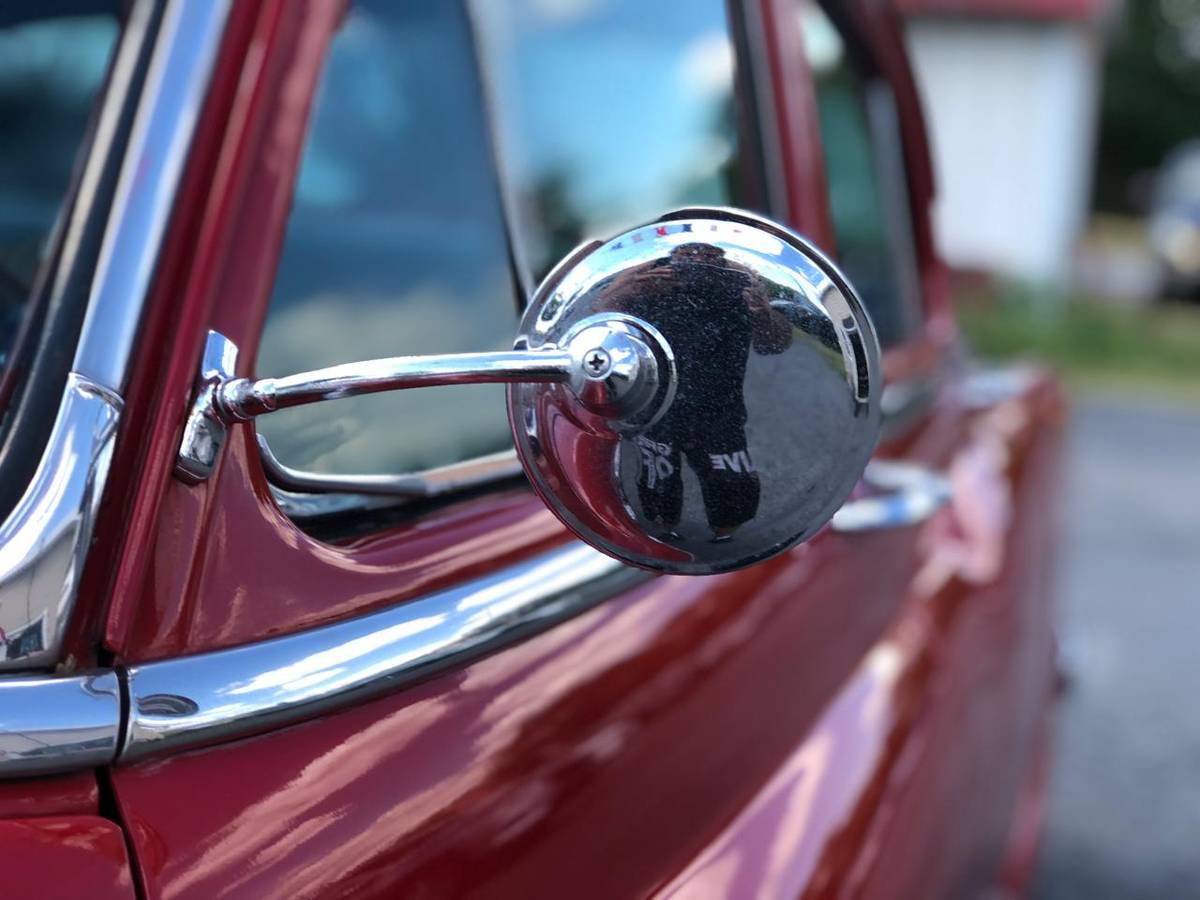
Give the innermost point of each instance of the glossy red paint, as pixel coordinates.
(905, 786)
(882, 30)
(637, 732)
(61, 795)
(64, 858)
(213, 599)
(168, 351)
(624, 734)
(180, 587)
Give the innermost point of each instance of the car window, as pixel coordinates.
(864, 171)
(610, 113)
(395, 245)
(52, 64)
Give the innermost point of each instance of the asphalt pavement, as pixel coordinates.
(1123, 816)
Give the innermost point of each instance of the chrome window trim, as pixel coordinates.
(56, 724)
(50, 724)
(176, 84)
(753, 58)
(224, 694)
(44, 541)
(59, 724)
(185, 702)
(308, 495)
(302, 495)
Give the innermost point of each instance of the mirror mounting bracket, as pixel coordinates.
(613, 365)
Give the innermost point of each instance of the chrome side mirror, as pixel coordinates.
(691, 396)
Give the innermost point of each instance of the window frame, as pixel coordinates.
(61, 291)
(890, 161)
(336, 506)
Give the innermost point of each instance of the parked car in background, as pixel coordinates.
(1174, 220)
(260, 645)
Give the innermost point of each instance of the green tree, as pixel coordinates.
(1151, 95)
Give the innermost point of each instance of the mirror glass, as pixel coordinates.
(766, 416)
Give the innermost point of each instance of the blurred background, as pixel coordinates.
(1066, 136)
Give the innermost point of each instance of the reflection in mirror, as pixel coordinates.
(772, 416)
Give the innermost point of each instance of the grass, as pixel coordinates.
(1093, 343)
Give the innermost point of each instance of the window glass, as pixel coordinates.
(610, 113)
(395, 246)
(864, 174)
(51, 67)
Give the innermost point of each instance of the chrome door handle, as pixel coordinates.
(910, 494)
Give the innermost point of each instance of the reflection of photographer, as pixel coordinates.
(712, 312)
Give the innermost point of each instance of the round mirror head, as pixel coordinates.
(726, 399)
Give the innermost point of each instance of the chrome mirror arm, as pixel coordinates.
(241, 399)
(608, 363)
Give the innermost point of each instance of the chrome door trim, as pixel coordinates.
(307, 495)
(50, 724)
(56, 724)
(44, 541)
(176, 84)
(223, 694)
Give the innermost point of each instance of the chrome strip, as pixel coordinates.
(415, 485)
(44, 541)
(57, 724)
(903, 403)
(309, 495)
(910, 495)
(176, 83)
(228, 693)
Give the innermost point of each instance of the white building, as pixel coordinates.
(1010, 90)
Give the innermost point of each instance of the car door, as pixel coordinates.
(333, 694)
(479, 776)
(71, 77)
(922, 776)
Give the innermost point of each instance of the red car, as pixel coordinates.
(696, 560)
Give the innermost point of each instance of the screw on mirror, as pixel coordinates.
(597, 363)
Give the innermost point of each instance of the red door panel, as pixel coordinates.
(59, 795)
(64, 858)
(830, 718)
(595, 758)
(766, 733)
(907, 784)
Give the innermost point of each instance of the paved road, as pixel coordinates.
(1124, 807)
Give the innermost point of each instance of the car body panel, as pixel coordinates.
(64, 857)
(621, 734)
(61, 795)
(634, 731)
